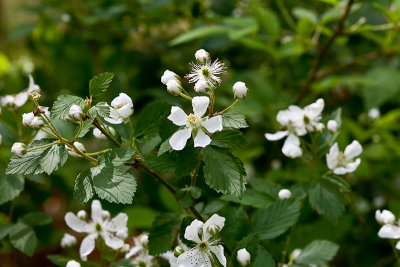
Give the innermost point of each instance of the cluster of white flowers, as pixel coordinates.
(113, 231)
(390, 227)
(33, 120)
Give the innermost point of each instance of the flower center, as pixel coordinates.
(119, 106)
(141, 264)
(203, 246)
(193, 121)
(306, 119)
(98, 227)
(205, 71)
(342, 159)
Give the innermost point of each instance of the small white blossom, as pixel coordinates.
(169, 75)
(389, 231)
(202, 56)
(284, 193)
(332, 126)
(194, 124)
(68, 241)
(33, 89)
(73, 264)
(140, 245)
(203, 234)
(312, 115)
(78, 146)
(75, 112)
(239, 90)
(243, 257)
(342, 163)
(201, 86)
(374, 113)
(121, 109)
(99, 226)
(173, 87)
(19, 149)
(14, 101)
(296, 253)
(384, 217)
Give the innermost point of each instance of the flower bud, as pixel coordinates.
(98, 134)
(19, 149)
(173, 87)
(81, 215)
(178, 251)
(73, 264)
(332, 126)
(284, 193)
(72, 152)
(75, 112)
(27, 119)
(239, 90)
(33, 89)
(296, 253)
(167, 76)
(384, 217)
(202, 56)
(374, 113)
(68, 241)
(319, 127)
(201, 86)
(243, 257)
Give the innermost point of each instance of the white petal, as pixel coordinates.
(193, 258)
(398, 245)
(291, 147)
(97, 211)
(179, 139)
(352, 166)
(276, 136)
(389, 231)
(125, 111)
(201, 139)
(192, 231)
(340, 171)
(215, 222)
(87, 245)
(353, 150)
(114, 118)
(112, 241)
(122, 99)
(75, 223)
(200, 105)
(332, 156)
(21, 98)
(213, 124)
(219, 253)
(118, 222)
(177, 116)
(313, 111)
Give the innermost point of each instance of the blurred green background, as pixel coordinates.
(270, 45)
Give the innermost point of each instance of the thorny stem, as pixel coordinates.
(228, 108)
(195, 172)
(98, 152)
(211, 107)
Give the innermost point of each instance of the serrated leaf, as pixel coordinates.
(326, 199)
(100, 83)
(234, 120)
(150, 117)
(273, 221)
(5, 229)
(223, 172)
(36, 218)
(163, 163)
(250, 198)
(114, 184)
(118, 156)
(197, 33)
(317, 252)
(163, 232)
(229, 139)
(62, 105)
(83, 189)
(86, 127)
(187, 160)
(23, 238)
(53, 158)
(267, 19)
(236, 225)
(101, 109)
(10, 186)
(263, 259)
(164, 148)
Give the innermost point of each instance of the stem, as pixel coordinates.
(79, 131)
(396, 253)
(98, 152)
(195, 173)
(185, 96)
(50, 133)
(132, 132)
(228, 108)
(287, 245)
(10, 213)
(91, 159)
(40, 147)
(211, 107)
(106, 133)
(19, 127)
(286, 14)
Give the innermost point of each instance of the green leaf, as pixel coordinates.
(273, 221)
(326, 199)
(265, 186)
(163, 163)
(250, 198)
(234, 120)
(223, 172)
(124, 263)
(267, 19)
(163, 232)
(5, 229)
(300, 13)
(86, 127)
(187, 160)
(199, 33)
(118, 156)
(250, 243)
(101, 109)
(100, 83)
(114, 184)
(229, 139)
(83, 189)
(236, 225)
(317, 252)
(53, 158)
(36, 218)
(263, 259)
(62, 105)
(10, 186)
(59, 260)
(164, 148)
(23, 238)
(150, 117)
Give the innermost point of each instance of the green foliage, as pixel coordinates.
(53, 158)
(36, 219)
(23, 238)
(228, 139)
(83, 189)
(234, 120)
(163, 232)
(250, 243)
(317, 252)
(62, 105)
(267, 19)
(87, 125)
(10, 186)
(101, 109)
(99, 84)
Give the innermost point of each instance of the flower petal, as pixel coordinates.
(276, 136)
(87, 245)
(112, 241)
(291, 147)
(97, 211)
(201, 139)
(214, 222)
(200, 105)
(192, 231)
(114, 118)
(125, 111)
(20, 99)
(332, 156)
(75, 223)
(194, 258)
(219, 253)
(352, 166)
(179, 139)
(353, 150)
(389, 231)
(177, 116)
(118, 222)
(213, 124)
(313, 111)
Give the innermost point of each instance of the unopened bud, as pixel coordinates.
(239, 90)
(19, 149)
(202, 56)
(178, 251)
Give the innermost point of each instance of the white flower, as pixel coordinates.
(284, 193)
(207, 71)
(72, 152)
(384, 217)
(169, 75)
(342, 163)
(332, 126)
(243, 257)
(312, 115)
(30, 120)
(14, 101)
(194, 124)
(122, 109)
(140, 246)
(239, 89)
(75, 112)
(389, 231)
(202, 56)
(100, 225)
(68, 241)
(33, 89)
(374, 113)
(73, 264)
(204, 235)
(296, 253)
(19, 149)
(173, 87)
(201, 86)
